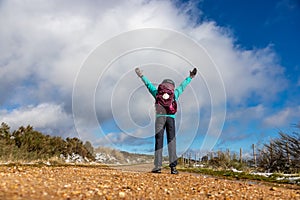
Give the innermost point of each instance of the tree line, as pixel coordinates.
(281, 154)
(27, 144)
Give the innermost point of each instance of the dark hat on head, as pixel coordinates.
(168, 81)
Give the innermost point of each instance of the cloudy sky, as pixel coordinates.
(67, 68)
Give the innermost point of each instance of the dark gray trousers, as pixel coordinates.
(162, 124)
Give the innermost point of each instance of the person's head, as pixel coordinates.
(168, 81)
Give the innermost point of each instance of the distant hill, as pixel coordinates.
(112, 156)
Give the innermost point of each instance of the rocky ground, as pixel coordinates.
(127, 182)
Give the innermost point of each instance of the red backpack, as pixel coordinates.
(164, 101)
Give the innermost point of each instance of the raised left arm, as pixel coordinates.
(179, 90)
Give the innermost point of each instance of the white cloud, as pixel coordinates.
(48, 41)
(247, 113)
(283, 117)
(46, 117)
(245, 72)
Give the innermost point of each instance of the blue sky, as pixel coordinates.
(257, 24)
(47, 46)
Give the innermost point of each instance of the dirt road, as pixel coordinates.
(74, 182)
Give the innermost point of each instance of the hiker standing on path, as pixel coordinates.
(165, 105)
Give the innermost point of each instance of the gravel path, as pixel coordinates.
(147, 167)
(74, 182)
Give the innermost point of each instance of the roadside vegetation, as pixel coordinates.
(26, 144)
(276, 161)
(245, 175)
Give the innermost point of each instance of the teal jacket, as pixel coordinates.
(177, 92)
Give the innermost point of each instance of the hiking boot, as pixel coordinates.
(174, 170)
(156, 170)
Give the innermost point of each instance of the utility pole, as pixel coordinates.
(254, 154)
(241, 153)
(228, 154)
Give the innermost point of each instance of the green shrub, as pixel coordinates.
(27, 144)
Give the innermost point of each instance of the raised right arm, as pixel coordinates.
(152, 89)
